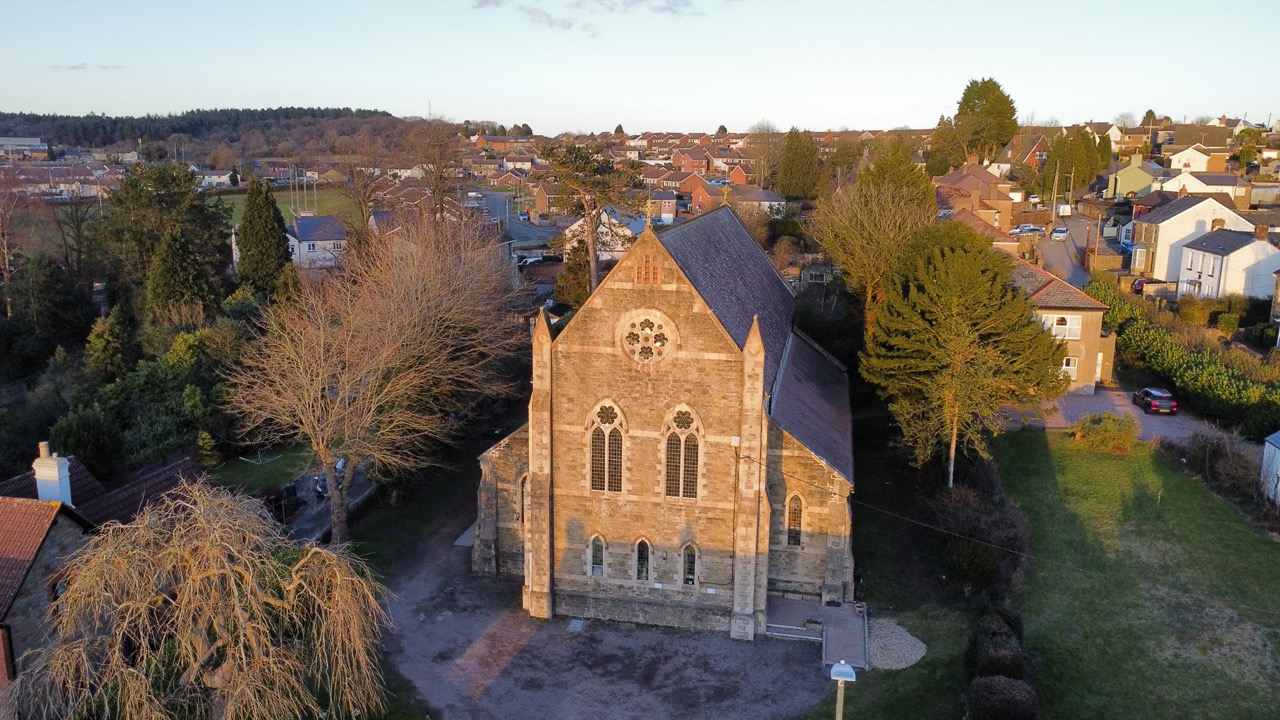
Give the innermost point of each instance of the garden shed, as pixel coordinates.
(1271, 467)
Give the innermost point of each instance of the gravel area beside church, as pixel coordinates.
(892, 647)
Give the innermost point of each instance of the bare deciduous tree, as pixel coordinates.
(368, 363)
(12, 201)
(434, 145)
(764, 147)
(201, 608)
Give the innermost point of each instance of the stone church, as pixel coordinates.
(688, 453)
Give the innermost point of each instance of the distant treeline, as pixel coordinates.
(94, 130)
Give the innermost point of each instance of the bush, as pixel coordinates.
(1107, 432)
(992, 523)
(992, 655)
(1224, 462)
(1228, 322)
(1001, 698)
(1192, 311)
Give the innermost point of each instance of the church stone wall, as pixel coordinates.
(703, 370)
(821, 566)
(499, 542)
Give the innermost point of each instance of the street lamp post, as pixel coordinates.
(841, 672)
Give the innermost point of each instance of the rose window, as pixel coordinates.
(646, 340)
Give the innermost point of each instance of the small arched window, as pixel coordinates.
(682, 446)
(689, 565)
(597, 557)
(795, 516)
(606, 449)
(642, 560)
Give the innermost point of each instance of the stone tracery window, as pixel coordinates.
(795, 514)
(642, 560)
(646, 336)
(682, 454)
(689, 565)
(597, 557)
(605, 455)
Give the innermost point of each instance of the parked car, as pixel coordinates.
(1033, 198)
(524, 216)
(322, 486)
(1156, 400)
(1059, 233)
(1138, 286)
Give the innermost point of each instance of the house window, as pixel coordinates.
(605, 454)
(795, 513)
(597, 557)
(690, 565)
(682, 449)
(311, 247)
(1069, 366)
(1063, 327)
(642, 560)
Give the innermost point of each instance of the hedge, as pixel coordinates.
(1201, 378)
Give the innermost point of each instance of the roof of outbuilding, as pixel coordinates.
(26, 523)
(811, 401)
(735, 279)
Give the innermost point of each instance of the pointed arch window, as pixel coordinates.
(683, 449)
(597, 557)
(795, 517)
(642, 560)
(605, 461)
(689, 565)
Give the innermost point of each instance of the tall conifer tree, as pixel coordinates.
(179, 289)
(264, 248)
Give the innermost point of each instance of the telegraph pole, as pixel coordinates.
(1053, 199)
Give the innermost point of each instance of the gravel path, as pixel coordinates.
(892, 647)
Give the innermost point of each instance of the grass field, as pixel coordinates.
(255, 477)
(327, 201)
(1151, 597)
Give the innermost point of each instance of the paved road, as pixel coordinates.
(1073, 407)
(501, 205)
(1063, 258)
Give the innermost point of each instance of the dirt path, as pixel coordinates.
(473, 653)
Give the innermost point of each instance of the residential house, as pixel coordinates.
(1031, 150)
(688, 457)
(512, 178)
(546, 196)
(1134, 179)
(690, 160)
(1230, 184)
(1230, 262)
(651, 174)
(317, 241)
(991, 197)
(709, 197)
(1160, 235)
(1074, 318)
(1135, 139)
(518, 161)
(503, 143)
(738, 176)
(615, 231)
(681, 182)
(1198, 158)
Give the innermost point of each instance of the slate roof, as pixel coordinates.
(735, 279)
(811, 401)
(1048, 291)
(319, 228)
(1221, 242)
(83, 483)
(1171, 210)
(1210, 178)
(754, 193)
(25, 523)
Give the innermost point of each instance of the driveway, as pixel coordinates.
(1073, 407)
(472, 652)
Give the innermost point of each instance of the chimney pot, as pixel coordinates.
(44, 449)
(53, 476)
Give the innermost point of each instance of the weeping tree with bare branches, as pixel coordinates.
(201, 608)
(366, 365)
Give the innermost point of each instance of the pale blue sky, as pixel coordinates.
(648, 64)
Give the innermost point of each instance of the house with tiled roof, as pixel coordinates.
(1074, 318)
(317, 241)
(35, 538)
(1239, 189)
(699, 447)
(1160, 234)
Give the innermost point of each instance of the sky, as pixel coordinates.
(662, 65)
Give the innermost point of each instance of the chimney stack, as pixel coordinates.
(1260, 232)
(53, 477)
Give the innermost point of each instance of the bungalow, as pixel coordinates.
(1230, 262)
(513, 178)
(709, 197)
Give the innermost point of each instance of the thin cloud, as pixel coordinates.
(542, 17)
(482, 4)
(664, 7)
(86, 66)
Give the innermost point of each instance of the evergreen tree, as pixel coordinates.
(526, 130)
(109, 352)
(178, 289)
(800, 170)
(467, 129)
(955, 342)
(1104, 150)
(722, 130)
(92, 438)
(572, 284)
(234, 178)
(618, 130)
(987, 117)
(264, 248)
(288, 284)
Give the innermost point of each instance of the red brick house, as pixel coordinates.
(690, 160)
(738, 176)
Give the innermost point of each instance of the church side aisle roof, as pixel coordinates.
(735, 279)
(811, 401)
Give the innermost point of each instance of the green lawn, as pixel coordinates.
(1151, 597)
(254, 476)
(327, 201)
